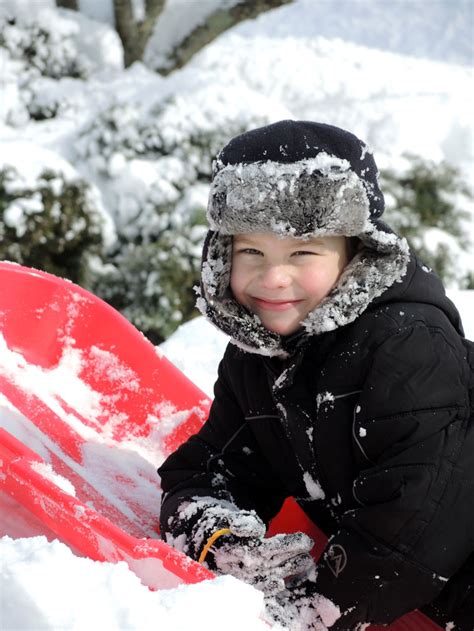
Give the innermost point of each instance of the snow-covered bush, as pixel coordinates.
(428, 203)
(45, 49)
(191, 127)
(149, 161)
(55, 225)
(39, 51)
(35, 51)
(152, 283)
(153, 162)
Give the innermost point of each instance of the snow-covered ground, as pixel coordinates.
(364, 73)
(44, 587)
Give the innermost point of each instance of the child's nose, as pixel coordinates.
(276, 276)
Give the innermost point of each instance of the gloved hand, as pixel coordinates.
(300, 608)
(265, 563)
(243, 552)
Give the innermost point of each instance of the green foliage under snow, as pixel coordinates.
(152, 283)
(55, 225)
(427, 203)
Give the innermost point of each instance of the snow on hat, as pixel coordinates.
(299, 179)
(295, 178)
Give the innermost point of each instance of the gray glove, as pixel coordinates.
(265, 563)
(300, 608)
(243, 552)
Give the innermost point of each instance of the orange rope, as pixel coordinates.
(210, 541)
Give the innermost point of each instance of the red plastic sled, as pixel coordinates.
(88, 408)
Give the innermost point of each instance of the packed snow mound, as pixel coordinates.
(464, 301)
(208, 344)
(44, 586)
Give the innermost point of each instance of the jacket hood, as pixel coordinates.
(298, 179)
(381, 263)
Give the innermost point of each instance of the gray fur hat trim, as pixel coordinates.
(310, 197)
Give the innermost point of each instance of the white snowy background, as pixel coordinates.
(399, 74)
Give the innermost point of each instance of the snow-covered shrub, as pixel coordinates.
(428, 203)
(44, 52)
(189, 127)
(55, 225)
(38, 53)
(152, 283)
(153, 162)
(44, 48)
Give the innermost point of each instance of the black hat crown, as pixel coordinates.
(290, 141)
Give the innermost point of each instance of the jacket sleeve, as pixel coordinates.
(222, 461)
(413, 526)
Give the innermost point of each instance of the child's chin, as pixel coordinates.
(282, 329)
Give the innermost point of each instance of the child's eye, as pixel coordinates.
(249, 251)
(304, 253)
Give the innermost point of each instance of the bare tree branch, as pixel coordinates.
(135, 35)
(67, 4)
(218, 22)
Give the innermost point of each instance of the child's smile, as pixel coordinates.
(282, 280)
(276, 305)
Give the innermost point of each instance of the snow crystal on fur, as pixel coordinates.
(368, 275)
(381, 263)
(314, 197)
(290, 199)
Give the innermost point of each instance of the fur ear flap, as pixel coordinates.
(369, 273)
(382, 260)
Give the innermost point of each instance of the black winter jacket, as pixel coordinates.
(370, 427)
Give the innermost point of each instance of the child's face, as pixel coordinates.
(282, 280)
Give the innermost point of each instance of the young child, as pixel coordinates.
(346, 385)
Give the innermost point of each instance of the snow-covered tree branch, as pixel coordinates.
(135, 33)
(219, 21)
(67, 4)
(135, 30)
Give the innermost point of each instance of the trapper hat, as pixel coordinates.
(296, 178)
